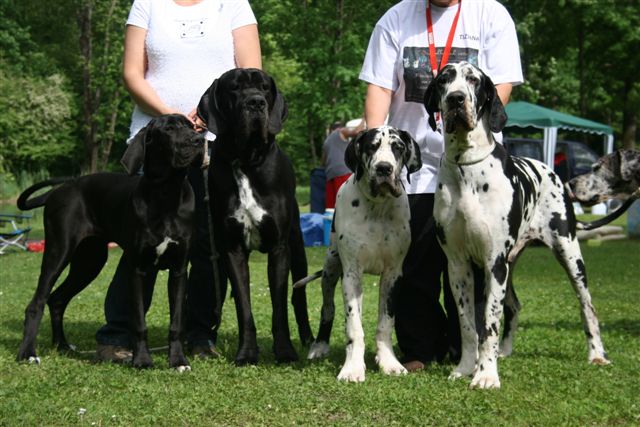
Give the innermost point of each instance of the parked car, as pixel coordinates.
(571, 158)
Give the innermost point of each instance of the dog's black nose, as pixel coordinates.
(256, 103)
(455, 99)
(384, 169)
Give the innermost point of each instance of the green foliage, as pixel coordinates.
(547, 381)
(579, 56)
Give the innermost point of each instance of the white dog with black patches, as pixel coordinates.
(488, 207)
(371, 235)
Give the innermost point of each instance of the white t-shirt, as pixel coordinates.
(398, 59)
(187, 48)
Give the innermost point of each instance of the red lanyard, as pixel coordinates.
(432, 47)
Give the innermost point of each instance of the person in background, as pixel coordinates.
(479, 32)
(335, 169)
(173, 50)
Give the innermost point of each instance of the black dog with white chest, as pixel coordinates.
(150, 217)
(253, 205)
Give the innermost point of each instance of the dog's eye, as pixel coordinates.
(399, 146)
(473, 79)
(595, 167)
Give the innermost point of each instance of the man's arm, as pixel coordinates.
(504, 92)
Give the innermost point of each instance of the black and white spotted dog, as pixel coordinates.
(488, 207)
(371, 236)
(616, 175)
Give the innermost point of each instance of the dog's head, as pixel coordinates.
(465, 96)
(378, 156)
(167, 143)
(616, 175)
(243, 101)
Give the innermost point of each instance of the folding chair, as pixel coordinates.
(14, 236)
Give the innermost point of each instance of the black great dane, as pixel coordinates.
(253, 204)
(488, 207)
(149, 216)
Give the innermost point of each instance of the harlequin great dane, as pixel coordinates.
(488, 207)
(371, 236)
(253, 205)
(616, 175)
(150, 217)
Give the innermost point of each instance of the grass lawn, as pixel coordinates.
(547, 381)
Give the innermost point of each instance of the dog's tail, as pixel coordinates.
(25, 204)
(303, 282)
(608, 218)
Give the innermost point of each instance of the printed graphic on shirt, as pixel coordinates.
(417, 68)
(191, 28)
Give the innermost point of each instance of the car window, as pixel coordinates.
(526, 149)
(583, 157)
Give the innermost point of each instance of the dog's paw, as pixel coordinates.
(485, 380)
(318, 350)
(142, 362)
(393, 369)
(183, 368)
(455, 375)
(600, 360)
(33, 360)
(285, 353)
(352, 373)
(390, 366)
(246, 357)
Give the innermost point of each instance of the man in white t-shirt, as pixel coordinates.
(399, 64)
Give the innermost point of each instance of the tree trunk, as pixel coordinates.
(84, 17)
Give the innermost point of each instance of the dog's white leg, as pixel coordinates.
(461, 281)
(354, 367)
(568, 253)
(385, 357)
(486, 372)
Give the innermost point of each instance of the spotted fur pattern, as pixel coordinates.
(488, 207)
(616, 175)
(371, 236)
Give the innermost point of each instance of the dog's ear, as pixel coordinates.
(412, 159)
(626, 159)
(209, 110)
(497, 114)
(352, 155)
(133, 157)
(279, 112)
(431, 102)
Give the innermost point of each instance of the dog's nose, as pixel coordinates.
(256, 103)
(455, 99)
(384, 169)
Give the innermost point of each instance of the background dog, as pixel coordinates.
(149, 216)
(253, 204)
(371, 236)
(488, 207)
(614, 176)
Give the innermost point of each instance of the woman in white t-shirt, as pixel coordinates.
(398, 68)
(173, 51)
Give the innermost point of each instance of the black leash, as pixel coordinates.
(610, 217)
(217, 286)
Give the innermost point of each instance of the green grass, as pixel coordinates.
(547, 381)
